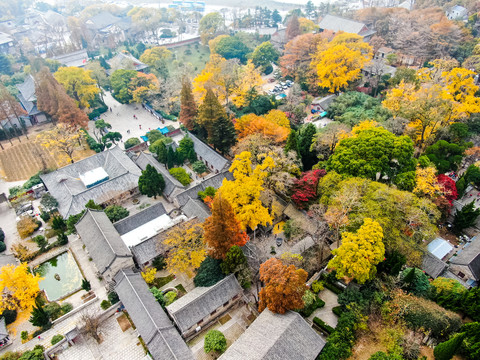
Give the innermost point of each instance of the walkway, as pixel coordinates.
(325, 313)
(122, 120)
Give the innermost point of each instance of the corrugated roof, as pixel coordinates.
(202, 301)
(335, 24)
(134, 221)
(156, 329)
(101, 239)
(276, 337)
(65, 185)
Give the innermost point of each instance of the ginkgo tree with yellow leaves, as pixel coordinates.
(243, 193)
(340, 61)
(78, 84)
(359, 252)
(62, 141)
(18, 287)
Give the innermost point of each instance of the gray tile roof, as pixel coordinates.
(192, 193)
(276, 337)
(202, 301)
(196, 208)
(123, 61)
(3, 329)
(5, 38)
(156, 329)
(27, 88)
(208, 154)
(102, 20)
(7, 260)
(65, 185)
(76, 58)
(146, 250)
(470, 256)
(101, 239)
(325, 101)
(134, 221)
(433, 266)
(171, 184)
(335, 24)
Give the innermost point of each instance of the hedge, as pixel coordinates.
(92, 143)
(333, 288)
(337, 310)
(307, 311)
(97, 112)
(167, 116)
(322, 325)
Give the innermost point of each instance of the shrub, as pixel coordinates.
(62, 239)
(415, 281)
(170, 297)
(40, 241)
(10, 316)
(209, 191)
(446, 350)
(66, 308)
(116, 212)
(209, 272)
(86, 285)
(131, 143)
(45, 216)
(337, 310)
(311, 303)
(10, 355)
(105, 304)
(317, 286)
(291, 229)
(92, 143)
(98, 111)
(215, 341)
(59, 224)
(113, 297)
(35, 354)
(322, 325)
(2, 235)
(53, 310)
(199, 167)
(24, 335)
(333, 288)
(56, 339)
(159, 263)
(3, 247)
(158, 295)
(26, 226)
(181, 175)
(149, 275)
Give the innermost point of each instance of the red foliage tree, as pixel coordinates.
(305, 188)
(222, 229)
(449, 187)
(284, 286)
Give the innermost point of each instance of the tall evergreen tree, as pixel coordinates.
(151, 183)
(305, 140)
(224, 135)
(222, 229)
(171, 158)
(39, 317)
(465, 217)
(292, 143)
(188, 107)
(446, 350)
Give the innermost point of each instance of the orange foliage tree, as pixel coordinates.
(284, 286)
(274, 126)
(222, 229)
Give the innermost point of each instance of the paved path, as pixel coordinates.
(325, 313)
(122, 120)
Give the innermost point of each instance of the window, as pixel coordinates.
(462, 275)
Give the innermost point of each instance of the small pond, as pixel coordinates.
(61, 276)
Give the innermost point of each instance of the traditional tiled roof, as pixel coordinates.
(196, 208)
(336, 24)
(71, 193)
(3, 329)
(102, 20)
(5, 38)
(7, 260)
(134, 221)
(208, 154)
(76, 58)
(470, 256)
(125, 61)
(171, 184)
(192, 193)
(26, 95)
(202, 301)
(156, 329)
(433, 266)
(276, 337)
(101, 239)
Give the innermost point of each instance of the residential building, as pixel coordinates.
(105, 246)
(6, 44)
(106, 178)
(199, 307)
(213, 160)
(152, 323)
(279, 38)
(77, 58)
(457, 12)
(433, 266)
(276, 337)
(383, 52)
(466, 265)
(28, 100)
(107, 30)
(196, 208)
(125, 61)
(336, 24)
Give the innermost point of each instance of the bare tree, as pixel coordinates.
(91, 323)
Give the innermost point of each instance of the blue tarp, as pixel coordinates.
(144, 138)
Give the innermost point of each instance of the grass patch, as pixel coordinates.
(193, 54)
(162, 281)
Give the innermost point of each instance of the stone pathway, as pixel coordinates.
(122, 120)
(116, 344)
(325, 313)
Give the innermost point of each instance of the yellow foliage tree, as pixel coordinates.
(340, 61)
(278, 117)
(26, 226)
(426, 183)
(244, 191)
(274, 126)
(149, 275)
(212, 44)
(61, 142)
(307, 26)
(18, 287)
(155, 54)
(78, 84)
(187, 248)
(359, 253)
(249, 78)
(21, 252)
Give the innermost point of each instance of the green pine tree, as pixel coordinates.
(465, 217)
(292, 143)
(210, 112)
(151, 183)
(171, 158)
(305, 140)
(446, 350)
(224, 135)
(39, 317)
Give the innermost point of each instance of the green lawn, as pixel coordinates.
(195, 54)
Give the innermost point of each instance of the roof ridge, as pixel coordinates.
(100, 228)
